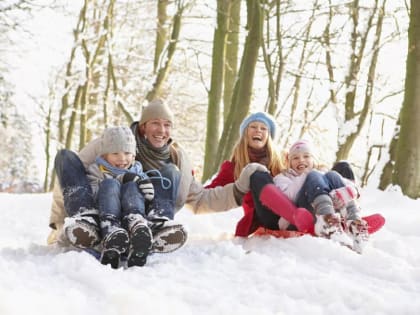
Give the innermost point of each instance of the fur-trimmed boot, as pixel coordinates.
(327, 222)
(82, 229)
(356, 227)
(358, 231)
(140, 239)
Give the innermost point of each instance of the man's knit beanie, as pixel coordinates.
(117, 139)
(156, 109)
(265, 118)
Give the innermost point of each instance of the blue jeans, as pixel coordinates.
(119, 200)
(166, 192)
(316, 184)
(75, 186)
(171, 172)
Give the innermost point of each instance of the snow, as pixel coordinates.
(215, 273)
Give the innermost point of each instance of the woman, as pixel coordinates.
(155, 150)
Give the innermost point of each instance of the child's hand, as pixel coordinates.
(145, 184)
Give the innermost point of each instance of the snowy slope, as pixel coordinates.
(215, 273)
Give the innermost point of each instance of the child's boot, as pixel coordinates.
(356, 228)
(140, 239)
(115, 242)
(327, 221)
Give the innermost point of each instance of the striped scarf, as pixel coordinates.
(151, 157)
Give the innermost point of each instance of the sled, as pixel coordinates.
(375, 223)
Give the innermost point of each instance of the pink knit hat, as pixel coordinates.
(300, 146)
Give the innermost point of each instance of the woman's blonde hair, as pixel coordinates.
(241, 158)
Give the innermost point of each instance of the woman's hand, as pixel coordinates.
(242, 183)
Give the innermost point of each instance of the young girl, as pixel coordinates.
(316, 191)
(125, 198)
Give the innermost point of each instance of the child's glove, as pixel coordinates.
(342, 196)
(145, 184)
(242, 183)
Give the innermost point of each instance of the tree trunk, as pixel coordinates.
(65, 105)
(161, 32)
(243, 86)
(274, 61)
(358, 44)
(47, 151)
(216, 87)
(162, 73)
(232, 47)
(407, 158)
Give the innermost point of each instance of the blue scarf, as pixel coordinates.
(135, 168)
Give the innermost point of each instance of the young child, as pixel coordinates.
(328, 195)
(125, 199)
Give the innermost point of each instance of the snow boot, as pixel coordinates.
(114, 244)
(160, 211)
(278, 202)
(327, 225)
(358, 231)
(328, 222)
(168, 237)
(140, 240)
(82, 229)
(115, 240)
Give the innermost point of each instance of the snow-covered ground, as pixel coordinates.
(215, 273)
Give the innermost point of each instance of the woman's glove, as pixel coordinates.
(144, 183)
(242, 183)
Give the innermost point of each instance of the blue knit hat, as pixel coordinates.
(265, 118)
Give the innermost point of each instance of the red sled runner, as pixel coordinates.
(375, 223)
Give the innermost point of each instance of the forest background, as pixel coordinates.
(336, 72)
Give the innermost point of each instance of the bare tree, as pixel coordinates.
(405, 146)
(243, 87)
(163, 71)
(216, 86)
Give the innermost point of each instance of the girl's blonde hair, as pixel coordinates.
(241, 158)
